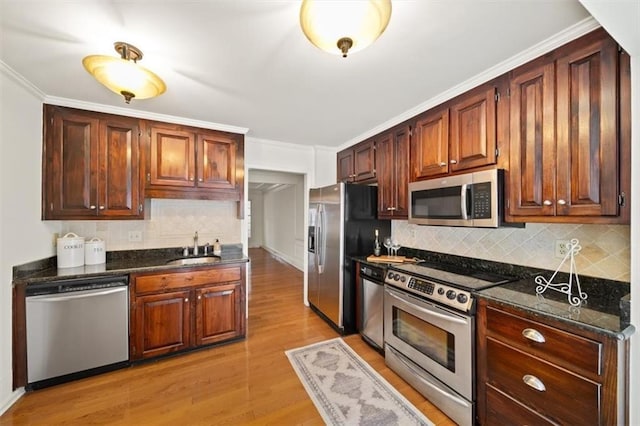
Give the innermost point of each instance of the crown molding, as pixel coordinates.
(23, 82)
(278, 144)
(571, 33)
(110, 109)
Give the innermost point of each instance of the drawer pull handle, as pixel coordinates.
(534, 382)
(534, 335)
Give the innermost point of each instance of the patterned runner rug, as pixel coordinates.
(347, 391)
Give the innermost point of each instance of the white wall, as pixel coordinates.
(256, 239)
(621, 18)
(23, 236)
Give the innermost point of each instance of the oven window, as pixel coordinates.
(432, 341)
(441, 203)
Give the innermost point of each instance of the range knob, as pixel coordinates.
(390, 275)
(440, 291)
(396, 277)
(403, 279)
(451, 294)
(462, 298)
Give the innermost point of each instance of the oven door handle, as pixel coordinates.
(430, 312)
(419, 374)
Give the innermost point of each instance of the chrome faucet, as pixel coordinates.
(195, 244)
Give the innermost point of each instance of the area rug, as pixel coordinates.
(347, 391)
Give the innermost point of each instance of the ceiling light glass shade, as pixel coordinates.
(123, 75)
(344, 26)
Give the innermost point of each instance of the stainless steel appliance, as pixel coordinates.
(342, 224)
(429, 332)
(76, 328)
(372, 297)
(470, 199)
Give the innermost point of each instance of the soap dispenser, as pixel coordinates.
(217, 248)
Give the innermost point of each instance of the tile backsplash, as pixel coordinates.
(168, 223)
(605, 248)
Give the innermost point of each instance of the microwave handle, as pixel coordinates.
(463, 201)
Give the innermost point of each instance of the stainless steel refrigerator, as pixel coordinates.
(342, 224)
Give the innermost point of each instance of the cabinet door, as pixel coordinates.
(119, 168)
(473, 130)
(219, 313)
(386, 198)
(532, 146)
(71, 154)
(392, 150)
(587, 160)
(172, 157)
(161, 324)
(345, 165)
(430, 145)
(364, 161)
(216, 157)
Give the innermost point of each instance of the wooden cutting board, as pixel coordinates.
(389, 259)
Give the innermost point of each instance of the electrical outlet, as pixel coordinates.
(561, 248)
(135, 236)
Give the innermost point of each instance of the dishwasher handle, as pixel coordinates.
(62, 297)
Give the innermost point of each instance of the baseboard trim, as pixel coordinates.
(283, 257)
(13, 397)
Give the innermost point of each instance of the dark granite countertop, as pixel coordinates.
(119, 263)
(600, 312)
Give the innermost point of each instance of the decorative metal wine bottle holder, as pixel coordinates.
(565, 287)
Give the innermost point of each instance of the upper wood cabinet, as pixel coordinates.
(357, 163)
(90, 166)
(565, 134)
(458, 135)
(393, 173)
(185, 162)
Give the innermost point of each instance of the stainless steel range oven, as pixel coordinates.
(429, 332)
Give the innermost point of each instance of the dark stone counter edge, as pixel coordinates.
(623, 334)
(119, 263)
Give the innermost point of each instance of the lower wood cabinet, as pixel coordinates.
(180, 310)
(533, 370)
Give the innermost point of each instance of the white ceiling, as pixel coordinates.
(246, 63)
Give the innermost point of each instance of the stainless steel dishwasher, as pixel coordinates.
(76, 328)
(372, 284)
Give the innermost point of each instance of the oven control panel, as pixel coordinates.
(441, 293)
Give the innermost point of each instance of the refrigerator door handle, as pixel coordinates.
(320, 240)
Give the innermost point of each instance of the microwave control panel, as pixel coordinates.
(481, 200)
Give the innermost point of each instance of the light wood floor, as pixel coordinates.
(247, 382)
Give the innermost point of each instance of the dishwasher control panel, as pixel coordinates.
(72, 285)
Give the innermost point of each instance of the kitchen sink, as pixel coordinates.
(194, 261)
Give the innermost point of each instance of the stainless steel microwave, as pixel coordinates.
(470, 199)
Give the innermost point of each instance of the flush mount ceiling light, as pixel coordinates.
(342, 27)
(123, 75)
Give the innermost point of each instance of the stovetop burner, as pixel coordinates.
(446, 284)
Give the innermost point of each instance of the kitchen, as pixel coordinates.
(21, 204)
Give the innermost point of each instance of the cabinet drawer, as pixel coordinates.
(159, 282)
(565, 349)
(562, 397)
(503, 410)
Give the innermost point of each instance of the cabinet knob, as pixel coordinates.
(199, 297)
(186, 300)
(101, 207)
(191, 178)
(534, 335)
(443, 164)
(200, 180)
(92, 207)
(453, 161)
(534, 382)
(547, 202)
(562, 202)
